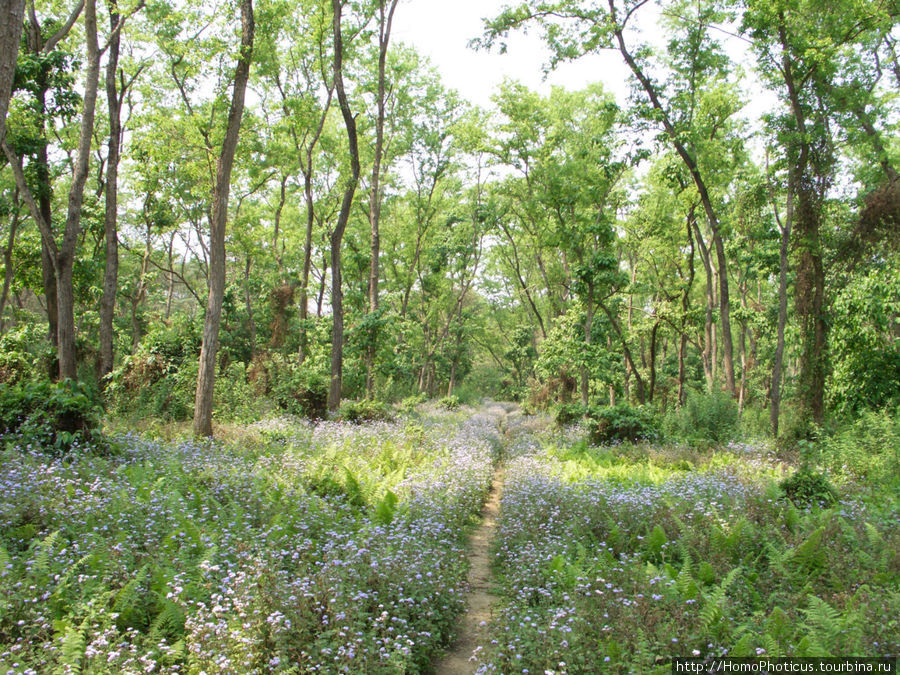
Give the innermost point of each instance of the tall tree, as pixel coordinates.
(337, 234)
(203, 401)
(12, 13)
(385, 21)
(63, 254)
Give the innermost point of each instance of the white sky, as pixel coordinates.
(441, 30)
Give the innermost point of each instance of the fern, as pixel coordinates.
(128, 600)
(808, 557)
(74, 643)
(823, 624)
(742, 647)
(44, 552)
(685, 583)
(169, 623)
(712, 609)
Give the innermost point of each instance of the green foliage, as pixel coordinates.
(806, 487)
(298, 388)
(52, 415)
(867, 448)
(449, 403)
(160, 378)
(359, 412)
(705, 418)
(622, 422)
(25, 354)
(569, 413)
(410, 403)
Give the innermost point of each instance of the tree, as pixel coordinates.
(575, 27)
(337, 234)
(385, 20)
(13, 14)
(207, 374)
(63, 254)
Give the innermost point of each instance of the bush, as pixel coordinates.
(297, 388)
(622, 422)
(806, 488)
(52, 415)
(867, 448)
(409, 404)
(706, 418)
(569, 413)
(365, 411)
(449, 403)
(26, 354)
(160, 378)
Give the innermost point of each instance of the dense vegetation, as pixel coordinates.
(336, 223)
(275, 217)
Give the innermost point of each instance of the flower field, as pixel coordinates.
(619, 558)
(334, 548)
(342, 548)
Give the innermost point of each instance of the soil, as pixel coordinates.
(462, 656)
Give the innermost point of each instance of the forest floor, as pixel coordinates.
(477, 540)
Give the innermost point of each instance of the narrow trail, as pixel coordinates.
(461, 658)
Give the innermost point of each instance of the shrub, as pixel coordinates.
(297, 388)
(409, 404)
(867, 448)
(52, 415)
(449, 403)
(706, 418)
(622, 422)
(25, 354)
(569, 413)
(806, 487)
(160, 378)
(365, 411)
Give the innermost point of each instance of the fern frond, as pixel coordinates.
(44, 551)
(823, 624)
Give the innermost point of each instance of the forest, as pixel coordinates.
(265, 275)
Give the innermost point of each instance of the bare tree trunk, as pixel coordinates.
(7, 258)
(588, 325)
(775, 389)
(12, 17)
(337, 236)
(206, 379)
(375, 197)
(249, 306)
(170, 289)
(111, 271)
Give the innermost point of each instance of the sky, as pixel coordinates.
(441, 30)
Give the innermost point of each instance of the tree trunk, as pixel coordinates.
(775, 388)
(375, 197)
(111, 271)
(12, 18)
(810, 276)
(207, 374)
(7, 259)
(64, 260)
(588, 324)
(251, 322)
(337, 236)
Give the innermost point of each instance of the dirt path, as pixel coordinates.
(461, 658)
